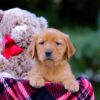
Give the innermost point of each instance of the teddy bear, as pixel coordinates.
(17, 26)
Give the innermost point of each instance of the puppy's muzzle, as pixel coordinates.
(48, 53)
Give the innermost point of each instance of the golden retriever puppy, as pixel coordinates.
(50, 50)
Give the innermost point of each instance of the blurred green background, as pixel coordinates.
(78, 18)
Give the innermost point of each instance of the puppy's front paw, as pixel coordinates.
(71, 85)
(37, 82)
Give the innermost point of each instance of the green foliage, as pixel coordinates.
(87, 56)
(87, 46)
(60, 12)
(89, 52)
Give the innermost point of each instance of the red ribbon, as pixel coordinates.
(10, 48)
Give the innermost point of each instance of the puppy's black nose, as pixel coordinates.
(48, 53)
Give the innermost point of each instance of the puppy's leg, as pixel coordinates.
(35, 79)
(71, 84)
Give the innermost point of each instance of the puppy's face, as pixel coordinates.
(51, 45)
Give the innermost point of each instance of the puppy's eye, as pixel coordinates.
(58, 43)
(41, 43)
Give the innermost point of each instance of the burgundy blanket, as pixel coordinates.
(15, 89)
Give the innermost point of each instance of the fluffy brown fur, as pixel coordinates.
(52, 67)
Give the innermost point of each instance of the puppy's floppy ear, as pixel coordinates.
(31, 51)
(70, 50)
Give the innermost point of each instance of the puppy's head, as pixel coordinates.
(51, 45)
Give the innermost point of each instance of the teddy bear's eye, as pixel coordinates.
(17, 23)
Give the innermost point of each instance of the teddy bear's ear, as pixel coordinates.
(1, 14)
(43, 22)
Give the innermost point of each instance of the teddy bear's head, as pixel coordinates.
(20, 25)
(1, 15)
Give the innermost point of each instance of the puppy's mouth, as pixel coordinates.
(48, 59)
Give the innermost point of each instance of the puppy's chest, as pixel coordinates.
(53, 75)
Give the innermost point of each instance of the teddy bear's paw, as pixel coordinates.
(6, 74)
(37, 82)
(72, 85)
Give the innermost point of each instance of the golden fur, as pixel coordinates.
(55, 68)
